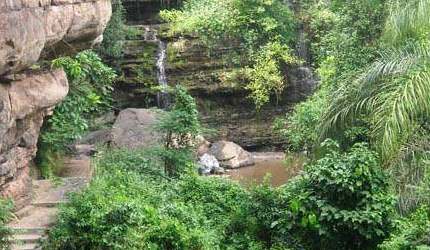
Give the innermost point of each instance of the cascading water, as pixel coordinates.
(303, 74)
(162, 96)
(150, 35)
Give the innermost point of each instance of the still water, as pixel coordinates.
(279, 170)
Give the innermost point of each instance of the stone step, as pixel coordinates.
(49, 193)
(23, 212)
(28, 230)
(47, 204)
(39, 217)
(27, 238)
(29, 246)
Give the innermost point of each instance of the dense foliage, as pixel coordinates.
(252, 22)
(265, 29)
(340, 201)
(372, 57)
(180, 127)
(343, 200)
(90, 88)
(392, 93)
(412, 232)
(343, 37)
(115, 33)
(5, 215)
(373, 99)
(90, 83)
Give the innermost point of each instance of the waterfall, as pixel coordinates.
(151, 35)
(305, 81)
(302, 46)
(163, 100)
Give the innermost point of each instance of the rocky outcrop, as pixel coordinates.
(31, 30)
(230, 155)
(23, 105)
(134, 128)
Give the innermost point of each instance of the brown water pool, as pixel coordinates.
(279, 170)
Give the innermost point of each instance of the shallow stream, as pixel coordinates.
(272, 166)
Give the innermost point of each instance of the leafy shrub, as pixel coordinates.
(265, 76)
(252, 22)
(180, 126)
(300, 127)
(125, 210)
(115, 33)
(136, 161)
(342, 201)
(412, 232)
(90, 87)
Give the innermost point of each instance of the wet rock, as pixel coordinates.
(209, 164)
(231, 155)
(218, 170)
(134, 128)
(202, 170)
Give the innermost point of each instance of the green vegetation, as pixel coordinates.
(374, 71)
(90, 88)
(6, 207)
(132, 204)
(411, 233)
(115, 33)
(366, 131)
(90, 83)
(264, 28)
(342, 200)
(180, 127)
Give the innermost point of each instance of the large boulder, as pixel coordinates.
(231, 155)
(135, 128)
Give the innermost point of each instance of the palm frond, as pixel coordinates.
(407, 21)
(394, 92)
(398, 107)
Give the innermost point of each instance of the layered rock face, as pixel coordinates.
(215, 80)
(23, 105)
(31, 30)
(30, 27)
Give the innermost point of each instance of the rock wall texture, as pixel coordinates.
(31, 30)
(23, 105)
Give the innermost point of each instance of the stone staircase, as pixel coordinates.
(33, 221)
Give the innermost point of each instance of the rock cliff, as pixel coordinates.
(31, 30)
